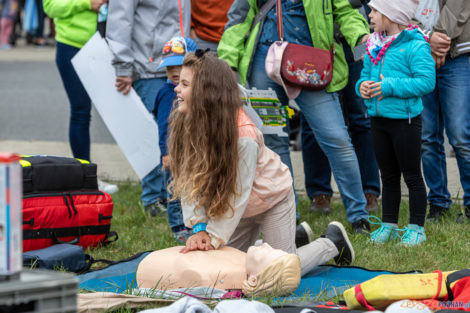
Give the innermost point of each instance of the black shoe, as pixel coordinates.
(337, 234)
(436, 213)
(303, 235)
(361, 226)
(464, 217)
(155, 209)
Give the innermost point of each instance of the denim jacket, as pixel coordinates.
(294, 22)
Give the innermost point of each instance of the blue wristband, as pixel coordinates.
(199, 227)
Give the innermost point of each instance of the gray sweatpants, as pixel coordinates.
(278, 228)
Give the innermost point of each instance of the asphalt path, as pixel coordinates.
(34, 105)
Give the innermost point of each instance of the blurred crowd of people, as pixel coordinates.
(25, 18)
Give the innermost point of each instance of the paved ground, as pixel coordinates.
(34, 114)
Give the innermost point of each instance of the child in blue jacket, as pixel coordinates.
(398, 70)
(172, 59)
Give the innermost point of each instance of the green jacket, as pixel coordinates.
(237, 46)
(74, 20)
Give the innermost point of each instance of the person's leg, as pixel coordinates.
(454, 88)
(316, 166)
(433, 154)
(358, 124)
(6, 28)
(278, 225)
(389, 168)
(278, 229)
(316, 253)
(153, 188)
(407, 145)
(174, 210)
(324, 116)
(245, 234)
(147, 89)
(80, 103)
(7, 21)
(39, 34)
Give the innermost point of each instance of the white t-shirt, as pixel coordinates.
(427, 13)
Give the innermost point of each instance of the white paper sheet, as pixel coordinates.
(126, 117)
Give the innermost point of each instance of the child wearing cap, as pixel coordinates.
(398, 71)
(172, 59)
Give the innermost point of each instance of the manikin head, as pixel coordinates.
(270, 272)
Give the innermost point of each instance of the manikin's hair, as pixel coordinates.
(280, 278)
(203, 139)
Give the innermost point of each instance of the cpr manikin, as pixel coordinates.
(262, 270)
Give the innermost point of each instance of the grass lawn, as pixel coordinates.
(447, 246)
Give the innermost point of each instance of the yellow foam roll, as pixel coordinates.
(383, 290)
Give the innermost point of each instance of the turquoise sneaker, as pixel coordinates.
(385, 232)
(413, 235)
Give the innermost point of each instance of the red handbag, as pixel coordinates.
(304, 66)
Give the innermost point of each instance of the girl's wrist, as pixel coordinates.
(199, 227)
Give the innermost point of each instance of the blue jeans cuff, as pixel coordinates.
(372, 192)
(317, 193)
(445, 205)
(358, 218)
(177, 228)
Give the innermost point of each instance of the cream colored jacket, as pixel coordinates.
(263, 181)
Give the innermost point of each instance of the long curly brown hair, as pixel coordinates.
(203, 139)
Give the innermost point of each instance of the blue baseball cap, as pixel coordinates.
(174, 51)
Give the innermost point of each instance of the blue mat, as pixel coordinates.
(328, 281)
(325, 280)
(114, 278)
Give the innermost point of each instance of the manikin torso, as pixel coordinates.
(224, 268)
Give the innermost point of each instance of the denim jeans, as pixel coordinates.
(316, 167)
(322, 111)
(80, 103)
(173, 207)
(153, 187)
(447, 107)
(39, 33)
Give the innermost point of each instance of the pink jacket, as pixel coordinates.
(263, 181)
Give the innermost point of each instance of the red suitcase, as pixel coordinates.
(81, 217)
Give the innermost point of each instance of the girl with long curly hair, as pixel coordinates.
(231, 186)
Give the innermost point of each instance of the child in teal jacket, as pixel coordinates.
(398, 70)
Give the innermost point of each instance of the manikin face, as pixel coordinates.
(260, 257)
(378, 21)
(184, 89)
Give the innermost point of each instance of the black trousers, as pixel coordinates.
(397, 147)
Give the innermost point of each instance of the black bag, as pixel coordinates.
(51, 173)
(63, 256)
